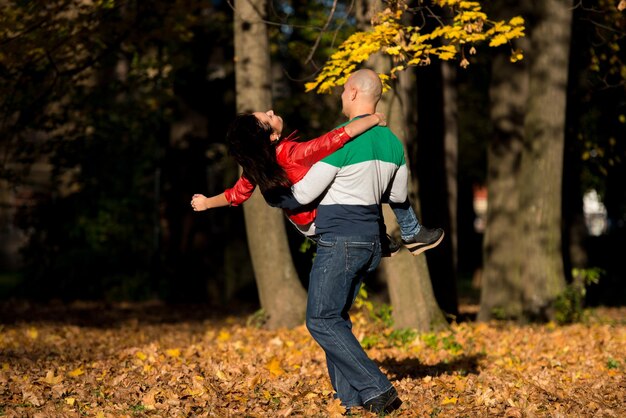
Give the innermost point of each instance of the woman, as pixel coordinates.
(254, 140)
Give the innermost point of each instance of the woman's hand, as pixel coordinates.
(199, 202)
(382, 121)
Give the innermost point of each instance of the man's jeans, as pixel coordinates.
(338, 270)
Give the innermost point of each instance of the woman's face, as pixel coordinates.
(274, 121)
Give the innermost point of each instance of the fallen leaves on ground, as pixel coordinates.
(131, 367)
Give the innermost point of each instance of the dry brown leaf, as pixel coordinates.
(335, 409)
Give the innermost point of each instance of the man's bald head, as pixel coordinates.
(367, 82)
(361, 93)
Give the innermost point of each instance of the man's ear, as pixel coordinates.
(353, 93)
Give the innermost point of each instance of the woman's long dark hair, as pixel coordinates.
(250, 145)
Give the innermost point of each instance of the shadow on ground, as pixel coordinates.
(412, 368)
(103, 315)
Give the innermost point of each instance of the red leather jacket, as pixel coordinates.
(295, 158)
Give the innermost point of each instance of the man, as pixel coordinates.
(352, 182)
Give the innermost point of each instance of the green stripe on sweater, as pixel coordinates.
(378, 143)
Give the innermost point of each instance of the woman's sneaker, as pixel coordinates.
(425, 239)
(388, 246)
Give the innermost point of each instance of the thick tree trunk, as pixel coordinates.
(281, 294)
(408, 279)
(451, 154)
(429, 164)
(501, 289)
(542, 160)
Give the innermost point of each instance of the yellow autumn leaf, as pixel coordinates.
(76, 372)
(448, 401)
(223, 336)
(32, 333)
(52, 379)
(274, 367)
(173, 352)
(141, 355)
(70, 401)
(309, 86)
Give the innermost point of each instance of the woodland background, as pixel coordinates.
(119, 300)
(114, 114)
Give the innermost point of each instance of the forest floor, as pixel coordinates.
(145, 360)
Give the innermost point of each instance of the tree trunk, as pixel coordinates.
(281, 293)
(408, 279)
(451, 154)
(429, 164)
(501, 293)
(542, 160)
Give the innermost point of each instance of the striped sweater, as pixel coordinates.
(352, 181)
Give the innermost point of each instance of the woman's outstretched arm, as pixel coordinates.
(200, 202)
(235, 196)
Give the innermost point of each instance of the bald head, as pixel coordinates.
(368, 83)
(361, 93)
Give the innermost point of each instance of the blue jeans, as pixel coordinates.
(338, 271)
(407, 219)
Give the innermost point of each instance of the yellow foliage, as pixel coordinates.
(408, 46)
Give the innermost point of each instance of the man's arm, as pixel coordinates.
(312, 185)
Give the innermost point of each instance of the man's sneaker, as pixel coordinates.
(425, 239)
(384, 403)
(388, 246)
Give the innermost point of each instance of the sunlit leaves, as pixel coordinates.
(226, 368)
(601, 125)
(606, 52)
(411, 46)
